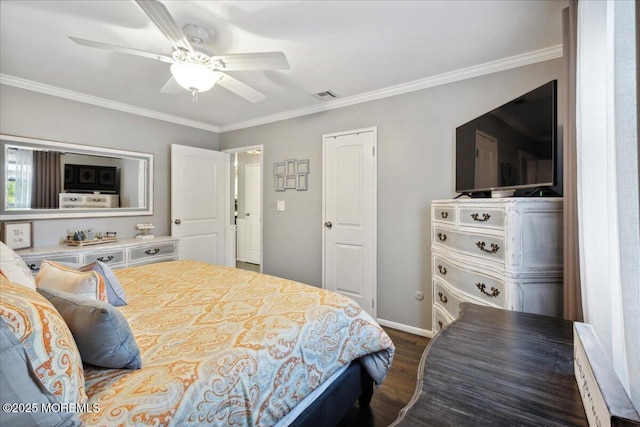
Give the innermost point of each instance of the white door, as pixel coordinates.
(349, 216)
(199, 204)
(252, 183)
(486, 165)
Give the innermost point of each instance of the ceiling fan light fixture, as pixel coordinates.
(194, 77)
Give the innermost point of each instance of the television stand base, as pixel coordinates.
(496, 194)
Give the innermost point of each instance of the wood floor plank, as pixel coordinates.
(397, 388)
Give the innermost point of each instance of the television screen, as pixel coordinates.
(510, 147)
(90, 178)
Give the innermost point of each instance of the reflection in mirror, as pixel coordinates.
(51, 179)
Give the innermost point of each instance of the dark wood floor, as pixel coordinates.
(397, 389)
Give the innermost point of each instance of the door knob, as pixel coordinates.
(328, 224)
(177, 222)
(247, 214)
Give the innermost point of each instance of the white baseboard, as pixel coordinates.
(406, 328)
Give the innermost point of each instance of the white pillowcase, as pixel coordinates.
(88, 284)
(14, 268)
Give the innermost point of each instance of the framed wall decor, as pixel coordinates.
(279, 168)
(291, 174)
(18, 235)
(290, 182)
(301, 185)
(302, 166)
(291, 166)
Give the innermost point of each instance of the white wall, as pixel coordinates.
(35, 115)
(415, 165)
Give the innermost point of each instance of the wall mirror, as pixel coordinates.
(47, 179)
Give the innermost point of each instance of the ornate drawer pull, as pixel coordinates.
(444, 214)
(97, 200)
(103, 259)
(443, 298)
(494, 247)
(73, 199)
(494, 292)
(152, 251)
(485, 217)
(442, 270)
(440, 324)
(442, 237)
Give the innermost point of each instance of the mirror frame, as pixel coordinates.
(21, 214)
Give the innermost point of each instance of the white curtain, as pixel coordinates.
(608, 197)
(23, 176)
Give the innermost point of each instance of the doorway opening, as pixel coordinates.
(246, 203)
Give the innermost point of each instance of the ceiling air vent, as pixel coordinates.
(326, 95)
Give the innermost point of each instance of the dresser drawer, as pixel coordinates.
(34, 262)
(147, 253)
(477, 245)
(440, 319)
(482, 217)
(112, 257)
(446, 300)
(444, 214)
(478, 286)
(72, 199)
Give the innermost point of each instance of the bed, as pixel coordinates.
(223, 346)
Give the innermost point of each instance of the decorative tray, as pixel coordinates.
(91, 242)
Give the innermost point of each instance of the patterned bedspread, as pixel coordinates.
(223, 346)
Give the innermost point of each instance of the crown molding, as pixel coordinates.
(416, 85)
(441, 79)
(102, 102)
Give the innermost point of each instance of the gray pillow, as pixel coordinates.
(102, 334)
(115, 293)
(20, 385)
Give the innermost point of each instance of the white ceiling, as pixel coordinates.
(360, 50)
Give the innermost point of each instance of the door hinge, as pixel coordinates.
(374, 150)
(373, 303)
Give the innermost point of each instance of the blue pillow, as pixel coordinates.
(20, 385)
(115, 293)
(102, 333)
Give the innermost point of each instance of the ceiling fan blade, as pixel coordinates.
(239, 88)
(171, 87)
(161, 17)
(251, 61)
(122, 49)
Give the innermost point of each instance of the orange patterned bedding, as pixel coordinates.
(223, 346)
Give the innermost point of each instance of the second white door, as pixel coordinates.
(253, 217)
(349, 215)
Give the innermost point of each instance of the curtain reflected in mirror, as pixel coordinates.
(47, 177)
(34, 179)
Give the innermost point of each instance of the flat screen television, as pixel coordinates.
(512, 147)
(90, 179)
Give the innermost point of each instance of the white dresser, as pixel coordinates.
(120, 254)
(504, 253)
(84, 200)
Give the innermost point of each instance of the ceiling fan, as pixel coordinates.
(193, 67)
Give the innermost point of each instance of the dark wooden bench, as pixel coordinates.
(496, 367)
